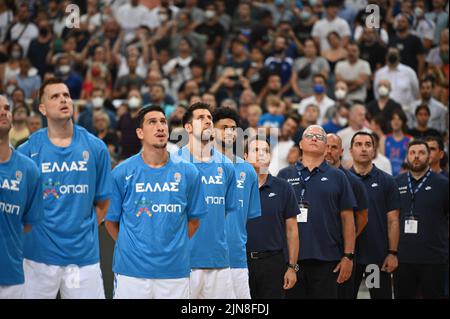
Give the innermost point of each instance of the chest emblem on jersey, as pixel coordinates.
(428, 188)
(323, 179)
(143, 204)
(241, 180)
(374, 185)
(86, 155)
(50, 189)
(19, 176)
(177, 177)
(219, 171)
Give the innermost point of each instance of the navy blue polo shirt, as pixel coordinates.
(373, 244)
(327, 193)
(359, 190)
(431, 208)
(278, 203)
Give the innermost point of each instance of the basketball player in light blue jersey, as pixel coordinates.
(20, 207)
(226, 122)
(62, 252)
(155, 209)
(210, 276)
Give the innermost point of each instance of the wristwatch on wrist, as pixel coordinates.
(296, 267)
(349, 255)
(392, 252)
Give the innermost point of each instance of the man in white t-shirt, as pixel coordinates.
(23, 31)
(132, 15)
(330, 23)
(356, 121)
(355, 72)
(281, 149)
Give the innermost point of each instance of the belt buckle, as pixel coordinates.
(253, 255)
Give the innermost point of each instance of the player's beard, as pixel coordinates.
(418, 167)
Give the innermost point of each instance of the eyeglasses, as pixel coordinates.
(318, 137)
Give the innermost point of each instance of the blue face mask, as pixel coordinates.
(319, 89)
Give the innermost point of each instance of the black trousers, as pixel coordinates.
(266, 277)
(315, 280)
(426, 281)
(385, 283)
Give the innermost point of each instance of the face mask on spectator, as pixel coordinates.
(383, 90)
(43, 32)
(163, 17)
(342, 121)
(10, 89)
(209, 14)
(134, 102)
(393, 58)
(64, 69)
(418, 12)
(97, 102)
(16, 54)
(305, 15)
(319, 89)
(32, 72)
(340, 94)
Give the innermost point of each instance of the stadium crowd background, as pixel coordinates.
(282, 64)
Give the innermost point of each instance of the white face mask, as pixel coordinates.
(340, 94)
(16, 54)
(97, 102)
(134, 102)
(163, 17)
(342, 121)
(418, 12)
(64, 69)
(209, 14)
(10, 89)
(383, 91)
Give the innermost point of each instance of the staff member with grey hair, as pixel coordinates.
(326, 224)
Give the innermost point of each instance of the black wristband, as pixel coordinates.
(392, 252)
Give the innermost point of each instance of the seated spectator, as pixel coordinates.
(396, 143)
(279, 63)
(254, 113)
(34, 123)
(126, 82)
(64, 70)
(421, 131)
(95, 104)
(381, 161)
(338, 118)
(101, 125)
(281, 150)
(305, 68)
(19, 130)
(274, 117)
(384, 105)
(318, 98)
(28, 79)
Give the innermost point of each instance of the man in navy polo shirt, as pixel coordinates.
(269, 233)
(326, 223)
(378, 243)
(423, 248)
(436, 145)
(333, 157)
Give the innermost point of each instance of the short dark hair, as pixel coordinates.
(320, 75)
(364, 134)
(225, 113)
(146, 109)
(422, 107)
(419, 142)
(187, 117)
(17, 107)
(48, 82)
(255, 138)
(436, 139)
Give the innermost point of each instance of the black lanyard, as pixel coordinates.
(305, 180)
(414, 192)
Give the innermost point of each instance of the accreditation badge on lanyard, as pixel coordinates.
(302, 217)
(411, 222)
